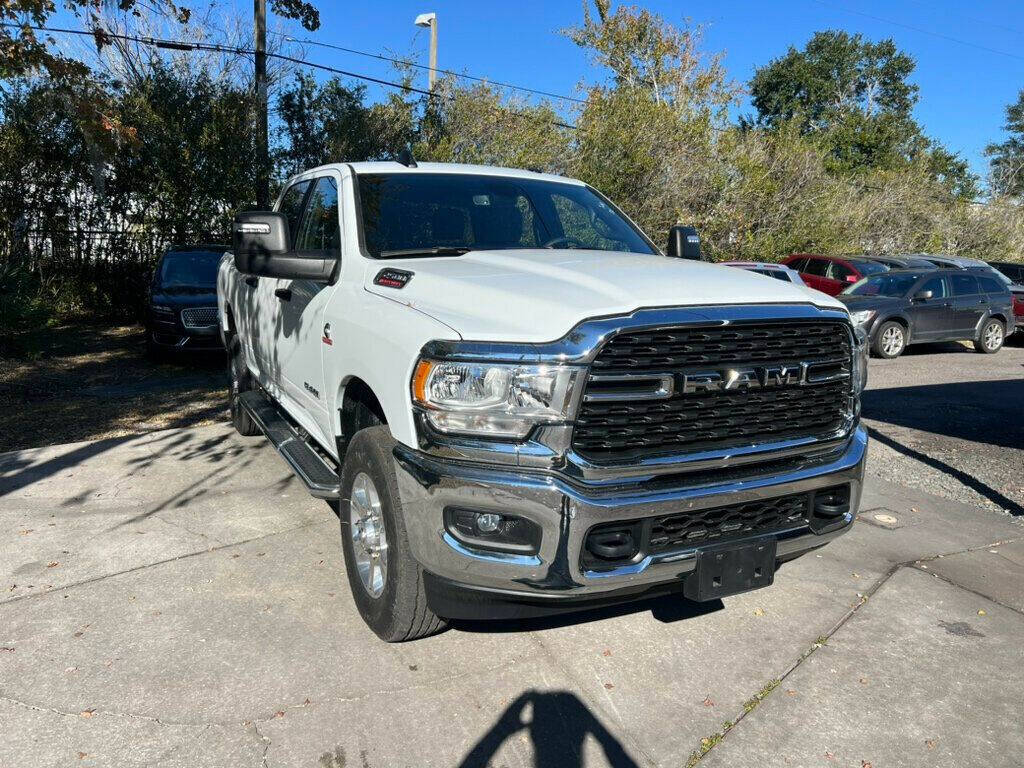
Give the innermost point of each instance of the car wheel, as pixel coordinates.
(990, 337)
(385, 579)
(239, 381)
(890, 340)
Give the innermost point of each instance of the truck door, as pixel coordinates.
(299, 332)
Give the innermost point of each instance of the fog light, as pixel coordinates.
(487, 522)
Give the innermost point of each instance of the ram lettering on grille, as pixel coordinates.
(689, 389)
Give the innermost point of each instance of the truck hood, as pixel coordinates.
(539, 295)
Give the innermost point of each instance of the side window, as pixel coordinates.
(839, 271)
(964, 285)
(291, 206)
(319, 229)
(817, 267)
(936, 285)
(990, 284)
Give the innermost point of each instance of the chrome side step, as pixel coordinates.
(317, 475)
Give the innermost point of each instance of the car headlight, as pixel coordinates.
(863, 317)
(493, 399)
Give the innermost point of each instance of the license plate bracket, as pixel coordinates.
(729, 570)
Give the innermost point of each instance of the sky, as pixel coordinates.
(970, 56)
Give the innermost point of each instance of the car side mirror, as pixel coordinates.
(261, 245)
(852, 278)
(922, 295)
(684, 243)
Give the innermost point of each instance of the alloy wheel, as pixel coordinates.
(369, 537)
(993, 336)
(892, 340)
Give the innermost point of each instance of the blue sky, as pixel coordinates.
(964, 89)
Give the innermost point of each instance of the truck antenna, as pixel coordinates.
(405, 157)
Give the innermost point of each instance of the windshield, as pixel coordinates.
(889, 284)
(870, 267)
(413, 214)
(189, 268)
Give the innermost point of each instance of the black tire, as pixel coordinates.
(887, 331)
(239, 381)
(400, 611)
(154, 351)
(991, 337)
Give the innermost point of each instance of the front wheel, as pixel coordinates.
(890, 340)
(991, 337)
(239, 381)
(385, 579)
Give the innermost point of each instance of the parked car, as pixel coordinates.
(1013, 270)
(832, 274)
(903, 262)
(502, 384)
(906, 307)
(767, 268)
(182, 307)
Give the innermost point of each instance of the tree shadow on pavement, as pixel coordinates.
(1004, 502)
(557, 723)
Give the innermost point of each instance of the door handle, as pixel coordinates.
(284, 294)
(251, 281)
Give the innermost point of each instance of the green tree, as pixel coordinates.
(1007, 158)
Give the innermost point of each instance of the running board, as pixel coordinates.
(316, 474)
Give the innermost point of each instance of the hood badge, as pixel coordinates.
(393, 278)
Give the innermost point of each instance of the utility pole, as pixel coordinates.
(259, 8)
(430, 20)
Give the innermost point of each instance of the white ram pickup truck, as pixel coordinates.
(519, 405)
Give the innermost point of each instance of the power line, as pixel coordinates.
(919, 29)
(183, 45)
(405, 62)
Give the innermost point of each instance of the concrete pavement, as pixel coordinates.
(177, 599)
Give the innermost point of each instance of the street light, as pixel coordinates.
(430, 20)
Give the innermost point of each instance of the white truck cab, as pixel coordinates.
(520, 405)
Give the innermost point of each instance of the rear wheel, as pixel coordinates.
(385, 579)
(990, 337)
(890, 340)
(239, 381)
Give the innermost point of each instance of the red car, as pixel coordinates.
(832, 274)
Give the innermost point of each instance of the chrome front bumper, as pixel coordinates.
(565, 511)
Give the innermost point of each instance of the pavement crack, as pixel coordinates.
(85, 712)
(137, 568)
(266, 742)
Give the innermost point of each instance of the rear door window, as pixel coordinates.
(990, 285)
(964, 285)
(838, 271)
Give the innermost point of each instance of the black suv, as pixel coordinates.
(1013, 270)
(904, 307)
(182, 312)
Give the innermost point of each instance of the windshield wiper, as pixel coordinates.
(440, 250)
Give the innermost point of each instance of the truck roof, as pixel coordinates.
(392, 166)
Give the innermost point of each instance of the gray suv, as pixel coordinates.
(904, 307)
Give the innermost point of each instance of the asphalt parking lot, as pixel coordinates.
(176, 599)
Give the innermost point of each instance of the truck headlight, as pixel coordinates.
(863, 317)
(493, 399)
(860, 360)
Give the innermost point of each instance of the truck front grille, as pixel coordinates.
(635, 405)
(199, 317)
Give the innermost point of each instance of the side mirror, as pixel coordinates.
(684, 243)
(852, 278)
(261, 246)
(922, 295)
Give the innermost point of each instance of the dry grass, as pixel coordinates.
(92, 382)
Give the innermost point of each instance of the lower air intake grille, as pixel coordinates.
(199, 317)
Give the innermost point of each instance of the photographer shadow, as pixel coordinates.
(557, 723)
